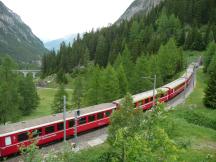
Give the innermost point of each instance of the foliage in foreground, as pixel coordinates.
(152, 136)
(137, 136)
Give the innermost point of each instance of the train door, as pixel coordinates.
(8, 141)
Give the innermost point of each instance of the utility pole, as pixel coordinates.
(64, 118)
(75, 127)
(185, 88)
(76, 115)
(154, 87)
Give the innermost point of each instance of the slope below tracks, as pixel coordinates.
(99, 136)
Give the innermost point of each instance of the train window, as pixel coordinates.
(100, 115)
(23, 137)
(49, 129)
(107, 113)
(37, 132)
(7, 141)
(82, 120)
(146, 100)
(60, 126)
(141, 103)
(71, 123)
(91, 118)
(151, 99)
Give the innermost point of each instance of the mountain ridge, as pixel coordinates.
(138, 6)
(17, 39)
(55, 44)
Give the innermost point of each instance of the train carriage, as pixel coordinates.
(50, 128)
(145, 99)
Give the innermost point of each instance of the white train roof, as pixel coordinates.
(144, 95)
(186, 75)
(51, 119)
(175, 83)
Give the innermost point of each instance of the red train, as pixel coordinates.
(50, 128)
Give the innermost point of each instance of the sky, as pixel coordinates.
(52, 19)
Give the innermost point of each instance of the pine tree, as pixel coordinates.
(110, 85)
(64, 57)
(188, 40)
(93, 94)
(115, 49)
(210, 52)
(61, 77)
(58, 102)
(135, 39)
(155, 69)
(173, 61)
(101, 57)
(86, 58)
(122, 79)
(210, 92)
(77, 95)
(44, 66)
(211, 67)
(142, 69)
(28, 93)
(9, 96)
(128, 65)
(198, 43)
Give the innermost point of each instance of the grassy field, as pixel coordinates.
(46, 99)
(194, 125)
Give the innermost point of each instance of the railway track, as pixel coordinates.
(98, 136)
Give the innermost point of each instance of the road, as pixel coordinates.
(98, 136)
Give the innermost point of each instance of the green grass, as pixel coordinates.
(91, 154)
(53, 84)
(193, 124)
(46, 100)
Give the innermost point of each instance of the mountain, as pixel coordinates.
(55, 44)
(137, 6)
(17, 39)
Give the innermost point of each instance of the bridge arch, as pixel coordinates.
(26, 72)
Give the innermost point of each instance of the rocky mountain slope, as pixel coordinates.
(17, 39)
(137, 6)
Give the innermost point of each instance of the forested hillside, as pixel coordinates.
(190, 22)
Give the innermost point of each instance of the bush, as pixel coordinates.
(198, 118)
